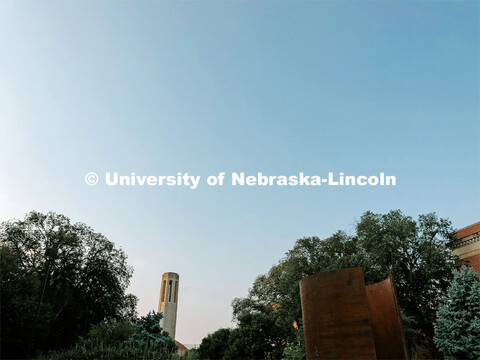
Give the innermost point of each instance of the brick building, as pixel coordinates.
(467, 245)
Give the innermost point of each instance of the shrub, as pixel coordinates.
(116, 340)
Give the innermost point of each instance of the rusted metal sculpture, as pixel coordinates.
(385, 319)
(344, 319)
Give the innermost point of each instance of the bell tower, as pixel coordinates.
(167, 304)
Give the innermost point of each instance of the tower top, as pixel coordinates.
(170, 273)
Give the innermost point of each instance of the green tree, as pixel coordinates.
(256, 337)
(192, 354)
(57, 279)
(416, 251)
(19, 323)
(214, 345)
(418, 254)
(148, 330)
(457, 329)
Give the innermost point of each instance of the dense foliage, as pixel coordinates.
(57, 280)
(117, 340)
(215, 345)
(457, 329)
(256, 337)
(148, 331)
(415, 251)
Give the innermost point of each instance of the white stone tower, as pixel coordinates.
(168, 302)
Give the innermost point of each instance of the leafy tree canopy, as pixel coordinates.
(256, 337)
(80, 273)
(215, 345)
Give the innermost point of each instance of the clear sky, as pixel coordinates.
(202, 87)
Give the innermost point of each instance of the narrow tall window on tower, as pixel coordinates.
(162, 297)
(175, 298)
(169, 290)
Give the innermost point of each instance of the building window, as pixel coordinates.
(169, 290)
(162, 297)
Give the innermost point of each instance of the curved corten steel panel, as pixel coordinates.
(336, 317)
(385, 319)
(344, 319)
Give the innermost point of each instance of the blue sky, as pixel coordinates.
(202, 87)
